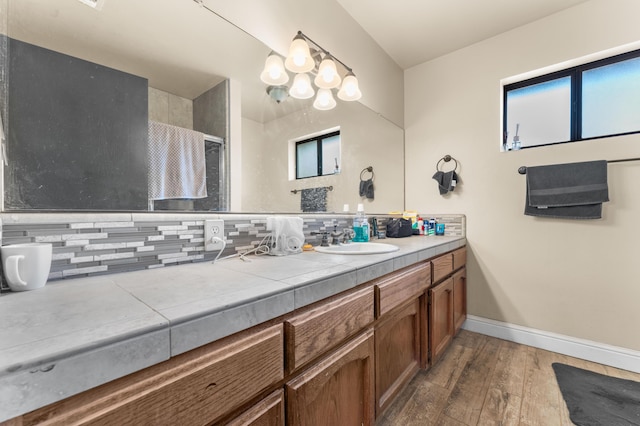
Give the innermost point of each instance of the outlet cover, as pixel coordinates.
(213, 228)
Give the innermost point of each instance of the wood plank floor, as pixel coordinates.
(482, 380)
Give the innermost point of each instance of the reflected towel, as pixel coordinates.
(177, 166)
(313, 199)
(571, 191)
(366, 188)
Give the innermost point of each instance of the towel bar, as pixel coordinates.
(295, 191)
(523, 169)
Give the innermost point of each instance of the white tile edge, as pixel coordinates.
(589, 350)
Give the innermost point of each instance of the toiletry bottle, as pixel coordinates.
(432, 227)
(360, 226)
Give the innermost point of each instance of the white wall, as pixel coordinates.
(577, 278)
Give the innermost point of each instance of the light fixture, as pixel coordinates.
(299, 58)
(327, 77)
(308, 57)
(324, 100)
(301, 88)
(278, 93)
(350, 90)
(274, 73)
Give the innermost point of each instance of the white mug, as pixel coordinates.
(26, 266)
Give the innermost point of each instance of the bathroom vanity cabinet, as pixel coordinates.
(341, 360)
(447, 300)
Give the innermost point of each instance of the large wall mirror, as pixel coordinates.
(179, 64)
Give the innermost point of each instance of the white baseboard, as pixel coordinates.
(601, 353)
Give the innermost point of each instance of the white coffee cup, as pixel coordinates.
(26, 266)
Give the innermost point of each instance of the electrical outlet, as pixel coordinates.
(213, 228)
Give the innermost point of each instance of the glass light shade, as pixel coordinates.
(327, 77)
(278, 93)
(324, 100)
(301, 88)
(299, 58)
(274, 72)
(350, 90)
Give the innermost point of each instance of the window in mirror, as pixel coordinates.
(592, 100)
(318, 155)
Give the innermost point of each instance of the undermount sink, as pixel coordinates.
(358, 248)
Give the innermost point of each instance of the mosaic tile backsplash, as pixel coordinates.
(128, 242)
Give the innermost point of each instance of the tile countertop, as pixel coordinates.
(73, 335)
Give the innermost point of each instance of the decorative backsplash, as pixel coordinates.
(88, 245)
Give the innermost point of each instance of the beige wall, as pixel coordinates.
(577, 278)
(366, 140)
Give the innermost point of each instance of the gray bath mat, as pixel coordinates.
(594, 399)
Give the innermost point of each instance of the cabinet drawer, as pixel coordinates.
(459, 258)
(196, 388)
(442, 266)
(314, 332)
(401, 286)
(268, 412)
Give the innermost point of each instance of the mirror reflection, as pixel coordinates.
(77, 135)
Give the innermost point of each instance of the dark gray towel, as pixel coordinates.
(571, 184)
(313, 199)
(366, 188)
(569, 191)
(587, 211)
(445, 180)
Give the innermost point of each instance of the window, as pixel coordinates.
(318, 156)
(593, 100)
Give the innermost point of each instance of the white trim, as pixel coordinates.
(601, 353)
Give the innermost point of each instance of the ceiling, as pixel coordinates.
(416, 31)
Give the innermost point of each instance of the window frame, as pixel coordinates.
(575, 74)
(318, 139)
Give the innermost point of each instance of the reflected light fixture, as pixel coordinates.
(327, 77)
(301, 88)
(274, 73)
(324, 101)
(307, 59)
(350, 90)
(278, 93)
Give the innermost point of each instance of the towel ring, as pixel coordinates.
(367, 169)
(446, 159)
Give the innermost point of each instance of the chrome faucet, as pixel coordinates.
(335, 235)
(325, 237)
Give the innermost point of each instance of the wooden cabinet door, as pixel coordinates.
(440, 318)
(338, 390)
(459, 298)
(397, 346)
(268, 412)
